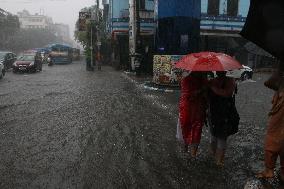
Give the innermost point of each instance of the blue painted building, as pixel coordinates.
(118, 27)
(178, 26)
(119, 17)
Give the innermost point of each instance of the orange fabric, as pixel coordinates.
(274, 140)
(271, 159)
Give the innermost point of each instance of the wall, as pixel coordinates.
(173, 8)
(178, 26)
(119, 17)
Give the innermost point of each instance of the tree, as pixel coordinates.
(32, 38)
(13, 38)
(9, 26)
(84, 37)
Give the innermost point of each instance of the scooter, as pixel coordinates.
(49, 61)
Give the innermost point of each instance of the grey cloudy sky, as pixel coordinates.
(61, 11)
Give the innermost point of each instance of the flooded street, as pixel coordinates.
(68, 128)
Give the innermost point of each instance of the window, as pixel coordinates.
(141, 4)
(213, 7)
(232, 7)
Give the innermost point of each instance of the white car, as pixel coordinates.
(243, 73)
(2, 70)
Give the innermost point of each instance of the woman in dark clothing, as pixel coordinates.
(222, 90)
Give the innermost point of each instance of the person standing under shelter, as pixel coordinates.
(192, 110)
(274, 139)
(221, 105)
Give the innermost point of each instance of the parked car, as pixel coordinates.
(2, 71)
(242, 74)
(7, 59)
(30, 62)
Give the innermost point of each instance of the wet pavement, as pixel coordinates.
(68, 128)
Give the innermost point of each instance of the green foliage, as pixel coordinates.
(32, 38)
(9, 26)
(84, 37)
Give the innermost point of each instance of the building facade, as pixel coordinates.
(62, 31)
(118, 27)
(177, 26)
(221, 22)
(119, 16)
(36, 21)
(223, 17)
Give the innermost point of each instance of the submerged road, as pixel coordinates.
(68, 128)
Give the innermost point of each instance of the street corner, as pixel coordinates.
(145, 82)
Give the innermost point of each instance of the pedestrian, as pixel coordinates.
(223, 116)
(99, 60)
(274, 139)
(192, 110)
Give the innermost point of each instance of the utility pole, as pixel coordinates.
(98, 57)
(134, 34)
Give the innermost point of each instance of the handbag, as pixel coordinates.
(233, 118)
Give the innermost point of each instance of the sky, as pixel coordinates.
(61, 11)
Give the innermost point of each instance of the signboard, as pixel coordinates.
(164, 70)
(83, 17)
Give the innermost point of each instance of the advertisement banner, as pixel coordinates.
(164, 71)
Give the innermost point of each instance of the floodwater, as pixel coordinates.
(68, 128)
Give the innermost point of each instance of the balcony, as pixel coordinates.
(124, 13)
(223, 17)
(144, 14)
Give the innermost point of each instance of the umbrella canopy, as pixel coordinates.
(265, 26)
(208, 61)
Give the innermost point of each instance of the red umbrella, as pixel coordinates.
(208, 61)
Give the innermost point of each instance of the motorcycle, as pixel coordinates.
(49, 61)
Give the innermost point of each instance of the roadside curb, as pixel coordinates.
(147, 85)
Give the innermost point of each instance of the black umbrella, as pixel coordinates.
(265, 26)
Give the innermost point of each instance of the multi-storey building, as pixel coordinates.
(36, 21)
(62, 31)
(223, 17)
(221, 22)
(118, 27)
(119, 16)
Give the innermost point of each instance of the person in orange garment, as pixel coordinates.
(192, 110)
(274, 139)
(222, 90)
